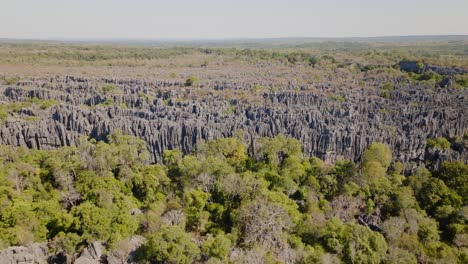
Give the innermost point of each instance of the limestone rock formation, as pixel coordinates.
(331, 123)
(34, 254)
(39, 253)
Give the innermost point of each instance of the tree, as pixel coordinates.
(455, 175)
(275, 150)
(170, 245)
(195, 202)
(435, 194)
(217, 246)
(191, 81)
(147, 184)
(417, 180)
(440, 142)
(344, 171)
(107, 224)
(313, 60)
(220, 205)
(377, 152)
(229, 148)
(355, 243)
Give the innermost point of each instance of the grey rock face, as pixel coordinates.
(416, 67)
(33, 254)
(126, 252)
(169, 116)
(39, 253)
(91, 254)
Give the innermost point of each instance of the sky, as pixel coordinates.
(222, 19)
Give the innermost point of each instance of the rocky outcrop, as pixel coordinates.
(94, 253)
(33, 254)
(419, 67)
(126, 252)
(168, 116)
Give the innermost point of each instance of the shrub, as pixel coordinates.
(109, 102)
(191, 81)
(313, 61)
(338, 98)
(3, 114)
(43, 104)
(11, 80)
(387, 87)
(217, 247)
(170, 245)
(429, 75)
(385, 94)
(106, 88)
(439, 142)
(461, 80)
(378, 152)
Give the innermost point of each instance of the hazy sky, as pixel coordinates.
(201, 19)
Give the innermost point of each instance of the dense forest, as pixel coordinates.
(221, 204)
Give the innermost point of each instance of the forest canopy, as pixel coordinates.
(221, 204)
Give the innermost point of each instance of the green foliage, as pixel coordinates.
(171, 157)
(170, 245)
(3, 114)
(195, 202)
(229, 110)
(12, 109)
(387, 88)
(385, 93)
(354, 243)
(108, 102)
(344, 171)
(378, 152)
(108, 88)
(461, 81)
(276, 149)
(258, 88)
(435, 194)
(217, 246)
(420, 66)
(455, 175)
(44, 104)
(375, 162)
(220, 205)
(147, 184)
(192, 81)
(338, 98)
(429, 77)
(11, 80)
(313, 60)
(230, 149)
(440, 142)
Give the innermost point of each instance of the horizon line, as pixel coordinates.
(86, 39)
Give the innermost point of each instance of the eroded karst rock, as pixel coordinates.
(168, 116)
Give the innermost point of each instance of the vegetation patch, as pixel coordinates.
(192, 81)
(439, 142)
(220, 200)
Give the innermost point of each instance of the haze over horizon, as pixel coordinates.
(209, 19)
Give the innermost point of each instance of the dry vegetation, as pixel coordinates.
(233, 199)
(324, 67)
